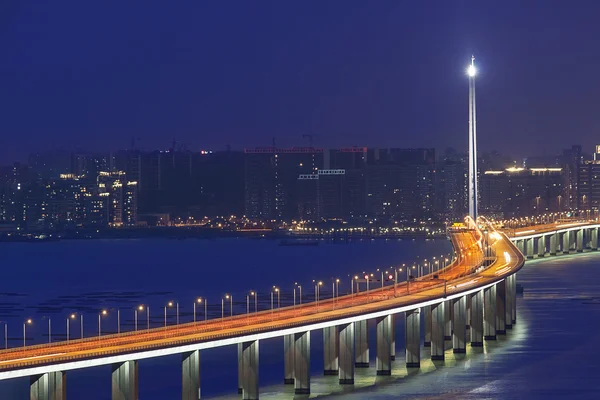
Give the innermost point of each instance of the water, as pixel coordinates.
(550, 353)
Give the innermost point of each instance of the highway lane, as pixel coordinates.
(459, 277)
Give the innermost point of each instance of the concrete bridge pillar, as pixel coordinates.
(459, 323)
(288, 358)
(413, 338)
(448, 320)
(594, 239)
(489, 313)
(477, 319)
(125, 381)
(509, 302)
(554, 244)
(240, 368)
(513, 289)
(250, 370)
(384, 342)
(437, 331)
(501, 307)
(302, 363)
(541, 246)
(566, 242)
(49, 386)
(346, 354)
(521, 246)
(468, 312)
(331, 340)
(427, 325)
(393, 338)
(361, 332)
(579, 243)
(529, 248)
(190, 375)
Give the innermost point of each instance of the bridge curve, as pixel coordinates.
(469, 284)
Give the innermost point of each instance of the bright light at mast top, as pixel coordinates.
(471, 71)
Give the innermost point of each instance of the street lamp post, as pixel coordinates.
(103, 312)
(27, 322)
(49, 330)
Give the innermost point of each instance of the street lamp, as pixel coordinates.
(201, 300)
(230, 298)
(255, 295)
(27, 322)
(170, 304)
(5, 334)
(102, 313)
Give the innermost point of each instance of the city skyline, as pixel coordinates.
(242, 75)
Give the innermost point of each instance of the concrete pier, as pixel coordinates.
(302, 363)
(579, 243)
(331, 346)
(437, 331)
(477, 319)
(125, 381)
(288, 359)
(250, 370)
(501, 308)
(529, 249)
(513, 279)
(541, 246)
(509, 302)
(459, 323)
(240, 368)
(448, 320)
(427, 325)
(566, 242)
(190, 375)
(521, 245)
(489, 313)
(413, 338)
(361, 333)
(554, 238)
(393, 338)
(384, 342)
(49, 386)
(468, 312)
(594, 239)
(346, 354)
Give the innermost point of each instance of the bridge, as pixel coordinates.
(469, 301)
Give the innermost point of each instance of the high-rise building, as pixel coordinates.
(271, 176)
(572, 159)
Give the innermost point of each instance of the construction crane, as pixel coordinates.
(310, 138)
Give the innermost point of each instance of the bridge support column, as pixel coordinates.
(361, 332)
(459, 323)
(513, 289)
(521, 245)
(566, 242)
(49, 386)
(437, 331)
(489, 313)
(509, 302)
(250, 370)
(331, 347)
(554, 244)
(190, 375)
(501, 307)
(468, 312)
(594, 238)
(448, 320)
(288, 358)
(346, 355)
(427, 325)
(413, 338)
(240, 368)
(579, 242)
(384, 343)
(477, 319)
(541, 246)
(393, 338)
(529, 248)
(125, 381)
(302, 363)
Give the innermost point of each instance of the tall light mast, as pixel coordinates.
(471, 72)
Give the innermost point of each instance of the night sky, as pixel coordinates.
(91, 75)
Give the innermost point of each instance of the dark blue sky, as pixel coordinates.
(90, 75)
